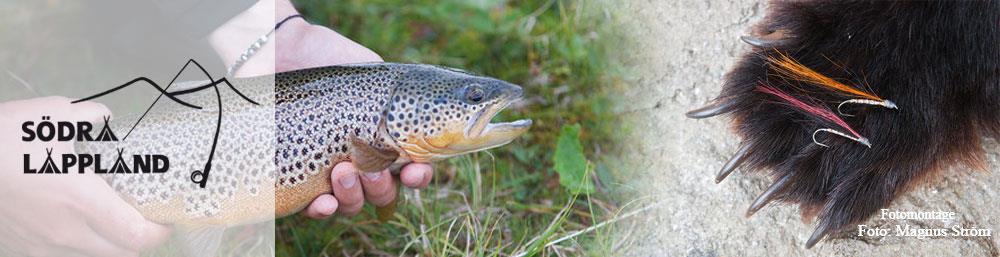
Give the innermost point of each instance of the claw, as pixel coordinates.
(817, 235)
(735, 161)
(719, 107)
(775, 39)
(768, 195)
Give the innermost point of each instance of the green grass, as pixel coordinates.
(508, 200)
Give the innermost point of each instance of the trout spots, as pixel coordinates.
(433, 109)
(320, 109)
(427, 112)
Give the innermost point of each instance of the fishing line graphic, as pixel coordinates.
(199, 177)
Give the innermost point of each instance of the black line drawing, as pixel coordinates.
(48, 166)
(106, 134)
(199, 177)
(120, 166)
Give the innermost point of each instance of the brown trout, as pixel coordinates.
(376, 115)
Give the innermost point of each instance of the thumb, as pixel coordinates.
(119, 222)
(89, 111)
(59, 107)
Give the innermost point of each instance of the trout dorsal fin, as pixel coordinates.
(370, 159)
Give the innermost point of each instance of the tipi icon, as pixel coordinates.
(119, 166)
(106, 134)
(49, 166)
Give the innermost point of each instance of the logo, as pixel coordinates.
(63, 131)
(46, 130)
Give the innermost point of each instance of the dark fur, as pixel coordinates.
(940, 63)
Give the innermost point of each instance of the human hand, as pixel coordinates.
(65, 214)
(378, 188)
(296, 45)
(300, 45)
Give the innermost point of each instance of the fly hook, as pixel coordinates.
(859, 139)
(884, 103)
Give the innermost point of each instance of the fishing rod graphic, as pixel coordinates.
(199, 177)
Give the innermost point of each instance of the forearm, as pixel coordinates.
(296, 45)
(235, 36)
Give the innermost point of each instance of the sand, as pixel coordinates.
(681, 51)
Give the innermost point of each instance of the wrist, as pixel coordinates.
(235, 36)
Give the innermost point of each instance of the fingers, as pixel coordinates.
(305, 46)
(416, 175)
(89, 111)
(118, 222)
(96, 246)
(322, 207)
(351, 190)
(347, 188)
(63, 107)
(379, 187)
(352, 51)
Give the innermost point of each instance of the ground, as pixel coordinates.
(681, 51)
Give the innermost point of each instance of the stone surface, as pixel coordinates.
(681, 51)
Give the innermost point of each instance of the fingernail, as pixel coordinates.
(348, 181)
(373, 175)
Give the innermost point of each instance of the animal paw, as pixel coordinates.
(903, 90)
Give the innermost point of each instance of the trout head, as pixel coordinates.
(435, 113)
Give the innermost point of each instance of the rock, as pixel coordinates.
(679, 54)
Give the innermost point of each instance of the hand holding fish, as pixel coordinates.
(83, 215)
(378, 189)
(300, 45)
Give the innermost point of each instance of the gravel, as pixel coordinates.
(679, 52)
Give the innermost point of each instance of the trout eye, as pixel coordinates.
(474, 94)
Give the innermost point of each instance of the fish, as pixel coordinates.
(298, 125)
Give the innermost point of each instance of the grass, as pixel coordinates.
(508, 201)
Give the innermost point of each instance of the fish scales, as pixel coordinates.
(315, 115)
(308, 121)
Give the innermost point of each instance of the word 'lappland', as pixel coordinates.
(150, 163)
(65, 131)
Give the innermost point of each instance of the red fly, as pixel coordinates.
(817, 111)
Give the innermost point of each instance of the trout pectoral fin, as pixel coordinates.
(370, 159)
(201, 240)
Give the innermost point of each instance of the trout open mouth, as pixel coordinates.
(482, 134)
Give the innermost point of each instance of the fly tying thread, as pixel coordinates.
(884, 103)
(860, 140)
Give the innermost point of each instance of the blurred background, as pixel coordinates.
(548, 193)
(528, 197)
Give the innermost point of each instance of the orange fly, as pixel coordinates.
(789, 68)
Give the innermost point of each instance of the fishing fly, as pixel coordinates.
(787, 67)
(817, 111)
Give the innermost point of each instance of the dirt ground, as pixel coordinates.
(681, 51)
